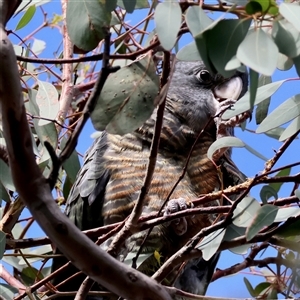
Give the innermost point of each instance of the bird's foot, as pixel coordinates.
(225, 127)
(179, 225)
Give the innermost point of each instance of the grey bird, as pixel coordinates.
(114, 167)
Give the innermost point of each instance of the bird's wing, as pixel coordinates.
(89, 185)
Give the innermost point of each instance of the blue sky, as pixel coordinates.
(249, 164)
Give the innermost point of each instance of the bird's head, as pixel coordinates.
(195, 93)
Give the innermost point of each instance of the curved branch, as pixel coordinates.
(29, 181)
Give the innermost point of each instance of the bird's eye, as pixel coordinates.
(203, 76)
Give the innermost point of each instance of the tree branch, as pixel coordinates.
(34, 190)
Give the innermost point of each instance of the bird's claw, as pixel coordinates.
(225, 127)
(175, 205)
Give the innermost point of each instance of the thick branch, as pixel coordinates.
(34, 190)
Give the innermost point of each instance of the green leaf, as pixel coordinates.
(231, 141)
(291, 129)
(189, 53)
(224, 142)
(140, 4)
(233, 63)
(110, 5)
(261, 288)
(26, 18)
(129, 5)
(46, 132)
(5, 176)
(272, 293)
(284, 63)
(266, 193)
(223, 41)
(275, 133)
(284, 113)
(296, 61)
(167, 19)
(67, 187)
(7, 291)
(286, 37)
(127, 98)
(4, 195)
(277, 185)
(289, 231)
(38, 46)
(265, 216)
(253, 86)
(198, 23)
(259, 52)
(291, 12)
(263, 107)
(72, 164)
(243, 104)
(47, 101)
(249, 287)
(197, 20)
(29, 275)
(232, 232)
(2, 243)
(286, 212)
(245, 211)
(210, 243)
(93, 16)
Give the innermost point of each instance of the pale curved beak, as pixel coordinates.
(230, 89)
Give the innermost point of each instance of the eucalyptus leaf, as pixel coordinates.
(38, 46)
(253, 86)
(263, 107)
(189, 53)
(249, 287)
(284, 63)
(259, 52)
(210, 243)
(129, 5)
(197, 20)
(232, 232)
(233, 63)
(72, 164)
(286, 37)
(284, 213)
(261, 288)
(93, 16)
(167, 19)
(223, 41)
(127, 98)
(47, 101)
(287, 111)
(291, 129)
(291, 12)
(26, 18)
(277, 185)
(266, 193)
(5, 176)
(264, 216)
(243, 104)
(8, 291)
(245, 212)
(2, 243)
(139, 4)
(296, 61)
(231, 141)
